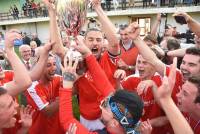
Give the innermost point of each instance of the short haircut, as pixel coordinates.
(123, 26)
(92, 29)
(172, 43)
(193, 51)
(196, 81)
(151, 38)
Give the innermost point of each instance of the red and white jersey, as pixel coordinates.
(39, 96)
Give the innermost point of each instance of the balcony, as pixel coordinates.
(138, 9)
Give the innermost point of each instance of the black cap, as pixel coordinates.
(131, 101)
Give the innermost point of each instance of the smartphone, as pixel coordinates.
(180, 19)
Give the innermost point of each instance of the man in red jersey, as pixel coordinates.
(11, 88)
(147, 74)
(189, 66)
(189, 102)
(120, 110)
(88, 92)
(43, 96)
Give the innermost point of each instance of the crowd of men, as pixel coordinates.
(124, 86)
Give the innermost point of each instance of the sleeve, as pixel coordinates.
(100, 79)
(129, 83)
(37, 96)
(66, 114)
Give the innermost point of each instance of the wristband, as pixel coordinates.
(67, 76)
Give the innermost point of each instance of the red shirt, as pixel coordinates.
(151, 108)
(129, 57)
(89, 93)
(39, 96)
(194, 124)
(100, 81)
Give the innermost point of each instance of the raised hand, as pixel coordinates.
(144, 85)
(165, 90)
(10, 36)
(183, 14)
(50, 5)
(145, 127)
(69, 71)
(44, 50)
(26, 116)
(81, 47)
(72, 128)
(133, 30)
(95, 3)
(119, 74)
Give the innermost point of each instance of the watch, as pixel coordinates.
(67, 76)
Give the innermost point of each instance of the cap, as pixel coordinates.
(123, 104)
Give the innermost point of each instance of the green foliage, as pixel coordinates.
(75, 107)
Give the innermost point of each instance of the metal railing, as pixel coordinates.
(122, 5)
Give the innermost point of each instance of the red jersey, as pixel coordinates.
(129, 57)
(100, 81)
(39, 96)
(194, 124)
(151, 108)
(89, 93)
(8, 77)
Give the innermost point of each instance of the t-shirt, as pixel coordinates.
(39, 96)
(89, 93)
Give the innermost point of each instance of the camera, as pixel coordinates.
(163, 15)
(92, 20)
(180, 19)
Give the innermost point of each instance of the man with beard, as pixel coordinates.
(43, 95)
(88, 92)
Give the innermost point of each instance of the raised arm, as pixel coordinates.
(193, 25)
(156, 25)
(107, 27)
(144, 50)
(21, 79)
(163, 95)
(55, 36)
(65, 106)
(37, 70)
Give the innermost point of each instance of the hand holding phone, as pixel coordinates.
(180, 19)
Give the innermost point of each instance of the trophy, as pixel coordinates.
(71, 16)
